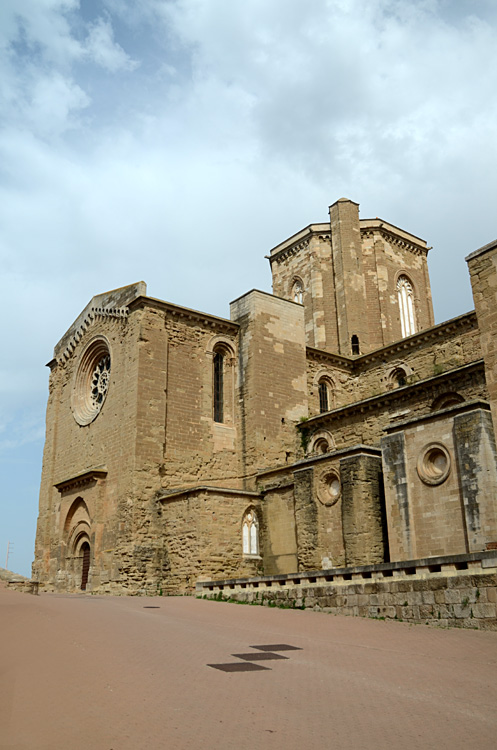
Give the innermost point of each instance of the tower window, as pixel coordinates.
(218, 387)
(298, 291)
(405, 295)
(354, 342)
(323, 397)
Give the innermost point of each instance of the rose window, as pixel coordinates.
(100, 381)
(91, 382)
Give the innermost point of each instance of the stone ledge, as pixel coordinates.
(453, 564)
(458, 594)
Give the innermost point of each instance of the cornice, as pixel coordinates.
(304, 463)
(93, 315)
(399, 394)
(301, 242)
(356, 365)
(462, 408)
(395, 239)
(467, 320)
(205, 489)
(80, 480)
(176, 311)
(287, 252)
(320, 355)
(489, 247)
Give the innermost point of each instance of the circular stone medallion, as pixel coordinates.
(329, 487)
(433, 465)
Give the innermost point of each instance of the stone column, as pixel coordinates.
(272, 382)
(362, 511)
(306, 517)
(400, 522)
(350, 286)
(474, 442)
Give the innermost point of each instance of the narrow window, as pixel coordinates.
(355, 344)
(85, 549)
(405, 296)
(323, 396)
(218, 387)
(250, 534)
(298, 292)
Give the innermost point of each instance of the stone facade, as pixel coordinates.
(330, 423)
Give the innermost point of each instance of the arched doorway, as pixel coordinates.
(85, 551)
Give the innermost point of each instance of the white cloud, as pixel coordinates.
(104, 51)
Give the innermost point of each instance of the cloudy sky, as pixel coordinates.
(177, 141)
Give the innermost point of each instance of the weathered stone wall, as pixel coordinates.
(309, 260)
(439, 499)
(365, 421)
(271, 379)
(387, 253)
(202, 532)
(280, 538)
(72, 449)
(433, 352)
(349, 271)
(464, 601)
(323, 512)
(424, 519)
(483, 271)
(362, 509)
(446, 592)
(476, 456)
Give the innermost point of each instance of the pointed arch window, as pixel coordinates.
(405, 295)
(250, 533)
(298, 291)
(218, 384)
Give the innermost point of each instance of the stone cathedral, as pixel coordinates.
(328, 424)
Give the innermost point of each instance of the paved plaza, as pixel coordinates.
(126, 673)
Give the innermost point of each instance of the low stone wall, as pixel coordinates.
(460, 591)
(18, 582)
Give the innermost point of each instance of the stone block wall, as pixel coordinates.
(307, 258)
(271, 379)
(325, 511)
(387, 253)
(434, 352)
(483, 271)
(349, 270)
(365, 421)
(71, 449)
(363, 510)
(440, 483)
(202, 531)
(445, 592)
(280, 537)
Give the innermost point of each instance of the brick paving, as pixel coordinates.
(130, 673)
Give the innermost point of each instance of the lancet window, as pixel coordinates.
(405, 295)
(250, 533)
(298, 291)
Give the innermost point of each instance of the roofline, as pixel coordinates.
(143, 301)
(482, 250)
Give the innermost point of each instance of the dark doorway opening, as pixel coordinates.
(85, 549)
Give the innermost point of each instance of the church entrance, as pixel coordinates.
(85, 549)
